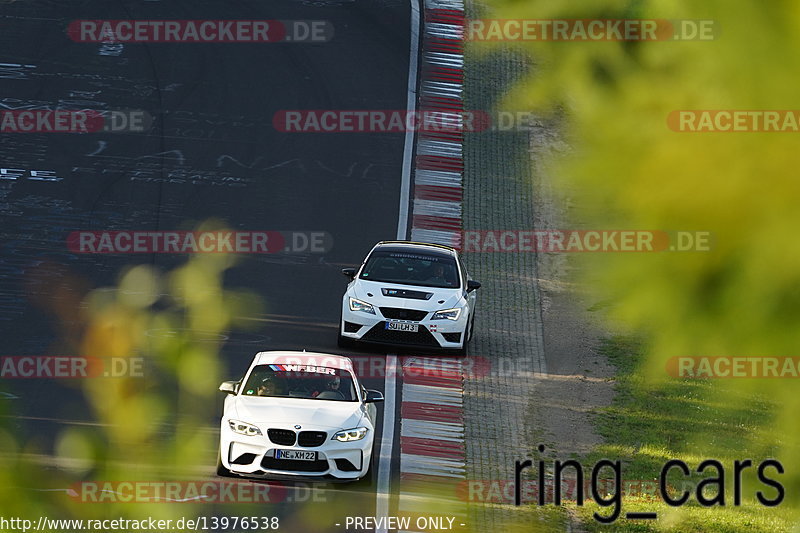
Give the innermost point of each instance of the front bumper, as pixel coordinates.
(360, 326)
(255, 456)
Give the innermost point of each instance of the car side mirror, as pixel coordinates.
(349, 272)
(230, 387)
(374, 396)
(473, 285)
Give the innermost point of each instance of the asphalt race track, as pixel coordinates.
(212, 153)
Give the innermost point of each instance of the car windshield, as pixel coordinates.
(301, 381)
(406, 268)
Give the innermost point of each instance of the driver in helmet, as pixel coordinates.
(331, 385)
(267, 387)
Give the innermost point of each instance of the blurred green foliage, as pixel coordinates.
(151, 427)
(629, 170)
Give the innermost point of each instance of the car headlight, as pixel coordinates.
(358, 305)
(349, 435)
(447, 314)
(243, 428)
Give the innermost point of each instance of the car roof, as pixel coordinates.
(303, 358)
(437, 250)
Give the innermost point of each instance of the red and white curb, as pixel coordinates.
(439, 162)
(432, 449)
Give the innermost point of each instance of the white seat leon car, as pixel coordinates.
(409, 294)
(297, 414)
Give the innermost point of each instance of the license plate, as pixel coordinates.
(402, 326)
(295, 455)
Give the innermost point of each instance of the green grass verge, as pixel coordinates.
(690, 420)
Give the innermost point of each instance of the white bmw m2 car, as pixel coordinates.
(409, 294)
(297, 414)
